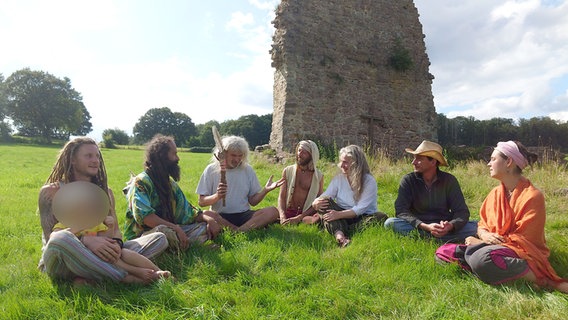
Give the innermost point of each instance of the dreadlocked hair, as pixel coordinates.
(155, 166)
(63, 169)
(359, 168)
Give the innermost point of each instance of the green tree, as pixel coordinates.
(255, 129)
(542, 131)
(5, 128)
(164, 121)
(204, 134)
(117, 136)
(3, 99)
(41, 104)
(499, 129)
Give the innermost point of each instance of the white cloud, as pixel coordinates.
(496, 58)
(239, 21)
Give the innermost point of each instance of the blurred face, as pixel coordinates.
(86, 162)
(345, 164)
(423, 164)
(303, 157)
(497, 165)
(233, 159)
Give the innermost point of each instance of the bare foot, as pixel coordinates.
(342, 240)
(562, 287)
(80, 281)
(163, 274)
(472, 240)
(311, 219)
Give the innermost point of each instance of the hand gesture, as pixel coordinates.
(273, 185)
(321, 204)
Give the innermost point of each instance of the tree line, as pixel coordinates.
(536, 131)
(255, 129)
(38, 104)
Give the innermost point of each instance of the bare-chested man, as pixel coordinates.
(303, 183)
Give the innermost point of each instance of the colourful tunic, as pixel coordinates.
(143, 199)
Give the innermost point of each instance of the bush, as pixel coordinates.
(400, 59)
(200, 149)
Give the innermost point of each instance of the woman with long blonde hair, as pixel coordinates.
(350, 197)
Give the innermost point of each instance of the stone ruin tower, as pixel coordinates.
(351, 72)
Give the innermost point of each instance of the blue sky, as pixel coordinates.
(209, 59)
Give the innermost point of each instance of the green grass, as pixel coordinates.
(280, 272)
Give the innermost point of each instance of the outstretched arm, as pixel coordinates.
(270, 185)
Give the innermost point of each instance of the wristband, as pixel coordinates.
(120, 242)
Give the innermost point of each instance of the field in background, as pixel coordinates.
(280, 272)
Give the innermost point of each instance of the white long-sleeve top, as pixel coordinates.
(340, 190)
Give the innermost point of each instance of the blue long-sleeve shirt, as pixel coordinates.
(416, 203)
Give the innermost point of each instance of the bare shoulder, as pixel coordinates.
(48, 190)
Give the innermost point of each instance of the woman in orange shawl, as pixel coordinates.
(511, 243)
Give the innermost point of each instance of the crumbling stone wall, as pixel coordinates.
(336, 80)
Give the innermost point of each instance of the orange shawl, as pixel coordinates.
(521, 222)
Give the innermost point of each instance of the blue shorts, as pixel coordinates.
(238, 219)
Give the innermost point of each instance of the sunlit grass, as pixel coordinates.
(278, 272)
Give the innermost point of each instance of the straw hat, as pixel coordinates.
(80, 205)
(430, 149)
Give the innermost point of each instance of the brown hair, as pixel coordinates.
(530, 156)
(155, 166)
(63, 169)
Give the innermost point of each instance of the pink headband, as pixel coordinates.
(511, 150)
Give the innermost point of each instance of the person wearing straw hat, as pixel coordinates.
(430, 200)
(303, 183)
(68, 256)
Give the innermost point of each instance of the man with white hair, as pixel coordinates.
(303, 183)
(231, 201)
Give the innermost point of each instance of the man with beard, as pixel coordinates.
(241, 191)
(430, 200)
(156, 203)
(303, 183)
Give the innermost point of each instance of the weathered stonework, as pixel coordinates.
(334, 81)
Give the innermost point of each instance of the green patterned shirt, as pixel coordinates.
(142, 199)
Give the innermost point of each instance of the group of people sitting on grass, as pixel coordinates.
(507, 243)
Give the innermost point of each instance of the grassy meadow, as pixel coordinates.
(293, 272)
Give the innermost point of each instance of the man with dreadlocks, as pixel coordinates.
(156, 203)
(67, 256)
(350, 198)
